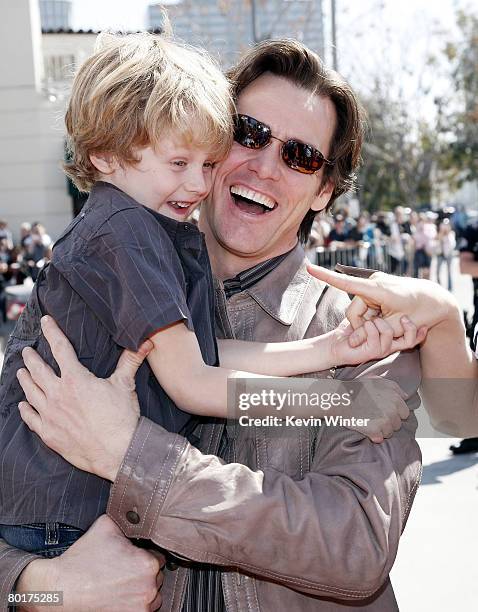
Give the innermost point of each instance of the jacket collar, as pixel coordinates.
(281, 292)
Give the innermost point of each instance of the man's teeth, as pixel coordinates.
(250, 194)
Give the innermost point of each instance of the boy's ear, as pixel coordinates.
(105, 163)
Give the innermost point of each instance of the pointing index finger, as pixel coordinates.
(364, 287)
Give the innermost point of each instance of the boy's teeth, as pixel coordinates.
(253, 195)
(181, 204)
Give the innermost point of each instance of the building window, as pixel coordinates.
(55, 14)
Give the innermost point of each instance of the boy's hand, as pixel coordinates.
(373, 340)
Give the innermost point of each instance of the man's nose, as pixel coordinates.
(265, 162)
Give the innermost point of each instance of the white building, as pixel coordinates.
(35, 74)
(32, 186)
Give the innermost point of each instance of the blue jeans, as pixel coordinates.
(45, 539)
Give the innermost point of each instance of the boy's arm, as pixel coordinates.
(321, 352)
(198, 388)
(178, 366)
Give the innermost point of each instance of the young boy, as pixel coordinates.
(147, 121)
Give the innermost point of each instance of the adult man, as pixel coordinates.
(310, 521)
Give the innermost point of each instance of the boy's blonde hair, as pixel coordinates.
(134, 89)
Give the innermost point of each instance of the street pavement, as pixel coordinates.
(436, 569)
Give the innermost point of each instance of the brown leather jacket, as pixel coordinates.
(310, 521)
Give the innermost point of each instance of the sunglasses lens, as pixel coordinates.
(302, 157)
(251, 133)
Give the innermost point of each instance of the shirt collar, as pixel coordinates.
(246, 279)
(104, 193)
(281, 292)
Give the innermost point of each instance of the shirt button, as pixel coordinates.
(82, 214)
(132, 517)
(171, 566)
(186, 227)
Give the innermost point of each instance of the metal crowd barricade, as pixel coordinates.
(364, 255)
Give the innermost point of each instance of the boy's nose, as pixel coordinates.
(197, 183)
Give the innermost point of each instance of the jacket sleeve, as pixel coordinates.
(334, 532)
(12, 562)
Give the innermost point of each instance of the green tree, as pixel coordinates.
(398, 155)
(422, 141)
(458, 110)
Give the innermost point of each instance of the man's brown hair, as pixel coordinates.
(292, 60)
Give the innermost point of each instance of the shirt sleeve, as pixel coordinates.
(130, 275)
(355, 498)
(12, 562)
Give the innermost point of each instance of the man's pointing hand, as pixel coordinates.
(393, 297)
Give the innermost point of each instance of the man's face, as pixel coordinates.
(251, 230)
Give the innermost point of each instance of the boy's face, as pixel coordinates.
(172, 179)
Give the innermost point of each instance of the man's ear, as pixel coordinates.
(322, 198)
(105, 163)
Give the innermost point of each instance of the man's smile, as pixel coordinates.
(250, 201)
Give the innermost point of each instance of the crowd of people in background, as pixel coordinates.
(401, 242)
(21, 260)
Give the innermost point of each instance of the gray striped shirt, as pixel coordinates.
(119, 273)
